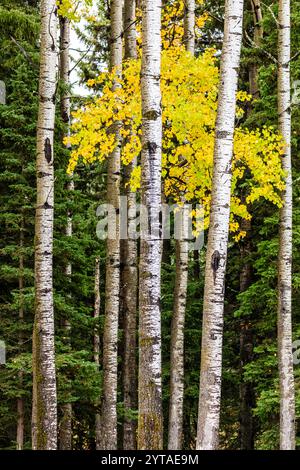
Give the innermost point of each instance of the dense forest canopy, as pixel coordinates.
(113, 333)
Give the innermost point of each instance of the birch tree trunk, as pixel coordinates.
(65, 431)
(44, 376)
(177, 345)
(129, 279)
(150, 426)
(181, 284)
(258, 35)
(97, 345)
(285, 356)
(20, 400)
(112, 289)
(212, 329)
(247, 396)
(189, 25)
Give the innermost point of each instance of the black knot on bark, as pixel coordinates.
(152, 115)
(152, 146)
(215, 262)
(48, 150)
(65, 116)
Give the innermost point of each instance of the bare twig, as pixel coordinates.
(268, 54)
(25, 54)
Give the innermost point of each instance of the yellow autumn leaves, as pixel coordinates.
(189, 103)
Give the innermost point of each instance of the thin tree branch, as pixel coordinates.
(25, 54)
(268, 54)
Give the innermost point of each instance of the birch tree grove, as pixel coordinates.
(44, 414)
(216, 255)
(285, 354)
(137, 306)
(112, 289)
(150, 388)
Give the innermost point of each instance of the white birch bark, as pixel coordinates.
(189, 25)
(212, 329)
(44, 377)
(150, 392)
(112, 289)
(285, 356)
(97, 306)
(65, 428)
(177, 341)
(181, 282)
(129, 266)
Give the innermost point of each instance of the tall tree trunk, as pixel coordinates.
(189, 25)
(247, 399)
(150, 426)
(177, 345)
(181, 283)
(129, 267)
(44, 376)
(246, 350)
(258, 35)
(112, 289)
(20, 400)
(97, 345)
(65, 429)
(285, 356)
(212, 329)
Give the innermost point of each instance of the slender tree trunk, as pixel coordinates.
(247, 399)
(112, 290)
(212, 329)
(20, 401)
(246, 350)
(180, 294)
(97, 345)
(44, 376)
(150, 426)
(285, 356)
(129, 274)
(258, 36)
(65, 431)
(189, 25)
(177, 345)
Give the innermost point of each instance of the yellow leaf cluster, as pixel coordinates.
(189, 107)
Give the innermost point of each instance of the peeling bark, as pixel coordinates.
(150, 427)
(213, 310)
(44, 423)
(285, 356)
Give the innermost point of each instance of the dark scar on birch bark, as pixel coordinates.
(215, 262)
(48, 150)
